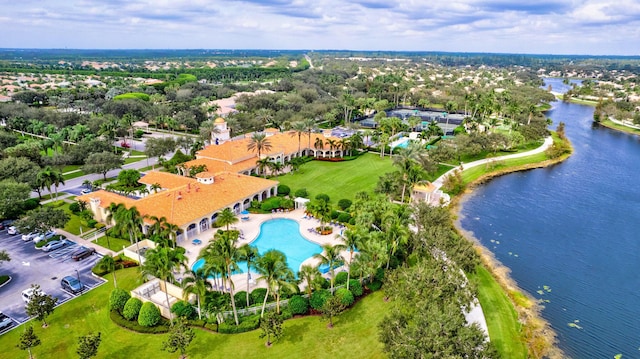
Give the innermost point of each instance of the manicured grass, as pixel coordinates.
(115, 244)
(72, 175)
(615, 126)
(339, 179)
(73, 226)
(502, 319)
(355, 334)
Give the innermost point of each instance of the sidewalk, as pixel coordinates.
(86, 243)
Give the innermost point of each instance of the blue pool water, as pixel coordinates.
(284, 235)
(403, 144)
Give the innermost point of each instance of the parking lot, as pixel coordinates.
(33, 266)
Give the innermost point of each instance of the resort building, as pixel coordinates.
(234, 156)
(192, 204)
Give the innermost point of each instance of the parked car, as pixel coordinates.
(53, 245)
(30, 236)
(5, 322)
(85, 191)
(71, 284)
(44, 236)
(13, 230)
(27, 293)
(82, 253)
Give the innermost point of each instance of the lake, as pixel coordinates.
(570, 233)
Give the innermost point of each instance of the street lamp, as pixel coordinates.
(78, 277)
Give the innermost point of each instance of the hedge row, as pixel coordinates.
(117, 318)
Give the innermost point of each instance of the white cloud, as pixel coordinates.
(546, 26)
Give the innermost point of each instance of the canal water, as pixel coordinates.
(570, 233)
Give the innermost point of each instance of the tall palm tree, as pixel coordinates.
(351, 239)
(196, 282)
(309, 124)
(262, 165)
(259, 143)
(318, 144)
(406, 160)
(309, 275)
(274, 269)
(161, 262)
(249, 254)
(331, 256)
(227, 218)
(109, 264)
(372, 254)
(129, 220)
(45, 178)
(207, 129)
(298, 128)
(224, 250)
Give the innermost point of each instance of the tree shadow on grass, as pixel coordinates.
(294, 333)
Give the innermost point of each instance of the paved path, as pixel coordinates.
(85, 243)
(547, 143)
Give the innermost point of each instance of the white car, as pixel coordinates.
(12, 230)
(53, 245)
(85, 191)
(29, 236)
(44, 236)
(28, 293)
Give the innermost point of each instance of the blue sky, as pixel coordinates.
(598, 27)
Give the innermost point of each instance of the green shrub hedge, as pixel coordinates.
(247, 324)
(323, 196)
(118, 299)
(346, 297)
(271, 203)
(355, 287)
(318, 298)
(298, 305)
(241, 299)
(284, 190)
(375, 285)
(341, 278)
(302, 192)
(344, 203)
(132, 95)
(149, 315)
(257, 295)
(132, 308)
(184, 309)
(133, 325)
(3, 279)
(344, 217)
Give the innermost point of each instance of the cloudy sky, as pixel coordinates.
(599, 27)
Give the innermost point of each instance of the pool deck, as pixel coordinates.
(250, 229)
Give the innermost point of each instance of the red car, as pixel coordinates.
(82, 253)
(124, 144)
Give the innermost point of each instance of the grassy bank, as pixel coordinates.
(354, 335)
(614, 126)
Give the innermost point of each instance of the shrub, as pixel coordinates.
(344, 217)
(74, 207)
(341, 278)
(31, 203)
(183, 309)
(117, 318)
(270, 203)
(138, 134)
(247, 324)
(118, 299)
(334, 214)
(375, 285)
(132, 308)
(132, 95)
(379, 274)
(286, 314)
(346, 297)
(241, 299)
(149, 315)
(318, 298)
(355, 287)
(287, 203)
(283, 190)
(298, 305)
(92, 223)
(344, 203)
(100, 225)
(323, 196)
(302, 192)
(257, 295)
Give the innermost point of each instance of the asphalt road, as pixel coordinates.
(33, 266)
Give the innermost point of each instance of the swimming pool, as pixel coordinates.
(284, 235)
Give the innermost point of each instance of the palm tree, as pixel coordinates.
(309, 124)
(275, 271)
(155, 187)
(160, 262)
(331, 256)
(372, 254)
(249, 254)
(407, 160)
(224, 250)
(207, 129)
(357, 140)
(309, 275)
(129, 221)
(259, 142)
(196, 282)
(45, 178)
(351, 239)
(318, 144)
(262, 165)
(396, 233)
(227, 218)
(108, 264)
(298, 128)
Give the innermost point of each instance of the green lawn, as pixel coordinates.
(115, 244)
(73, 226)
(502, 319)
(354, 335)
(339, 179)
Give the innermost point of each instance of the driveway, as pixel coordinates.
(33, 266)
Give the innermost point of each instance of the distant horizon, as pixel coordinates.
(302, 50)
(589, 27)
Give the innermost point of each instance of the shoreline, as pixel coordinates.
(539, 336)
(629, 130)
